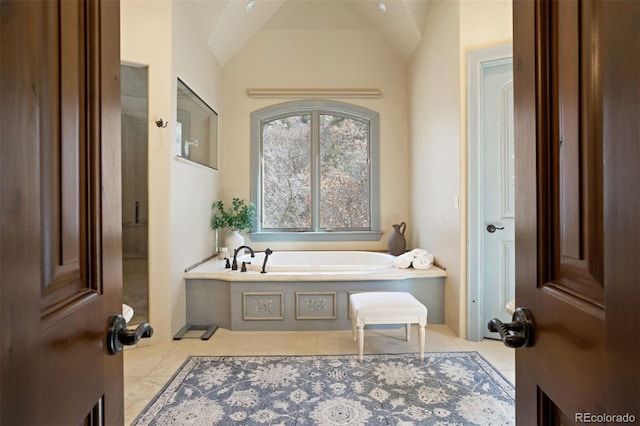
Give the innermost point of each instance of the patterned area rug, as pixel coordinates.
(444, 389)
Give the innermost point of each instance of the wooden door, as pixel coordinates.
(498, 191)
(577, 115)
(60, 213)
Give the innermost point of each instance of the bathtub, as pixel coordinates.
(302, 290)
(319, 261)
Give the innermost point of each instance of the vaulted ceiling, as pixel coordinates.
(228, 24)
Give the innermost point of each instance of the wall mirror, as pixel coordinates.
(196, 128)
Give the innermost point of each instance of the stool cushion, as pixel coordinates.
(381, 303)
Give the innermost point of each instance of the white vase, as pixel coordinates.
(233, 241)
(216, 241)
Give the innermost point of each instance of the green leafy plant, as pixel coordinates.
(237, 217)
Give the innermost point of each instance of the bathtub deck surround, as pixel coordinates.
(310, 291)
(387, 308)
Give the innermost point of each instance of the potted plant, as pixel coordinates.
(238, 217)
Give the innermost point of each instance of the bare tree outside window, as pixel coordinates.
(286, 179)
(315, 171)
(344, 174)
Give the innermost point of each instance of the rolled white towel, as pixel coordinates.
(417, 252)
(423, 262)
(510, 307)
(403, 261)
(127, 312)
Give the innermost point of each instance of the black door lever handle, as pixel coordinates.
(119, 335)
(492, 228)
(516, 333)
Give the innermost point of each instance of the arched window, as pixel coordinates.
(315, 172)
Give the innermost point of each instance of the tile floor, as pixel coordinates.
(147, 369)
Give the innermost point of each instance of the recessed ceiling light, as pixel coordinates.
(250, 5)
(381, 6)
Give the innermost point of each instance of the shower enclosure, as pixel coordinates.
(134, 97)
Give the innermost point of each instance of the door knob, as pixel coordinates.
(516, 333)
(492, 228)
(119, 335)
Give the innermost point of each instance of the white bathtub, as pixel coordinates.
(319, 261)
(302, 290)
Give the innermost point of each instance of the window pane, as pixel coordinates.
(286, 173)
(344, 173)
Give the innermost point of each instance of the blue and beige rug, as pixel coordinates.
(459, 388)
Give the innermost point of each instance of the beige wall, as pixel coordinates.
(193, 187)
(161, 35)
(434, 107)
(438, 71)
(485, 23)
(306, 58)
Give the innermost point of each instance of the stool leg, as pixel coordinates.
(360, 342)
(407, 331)
(421, 340)
(353, 326)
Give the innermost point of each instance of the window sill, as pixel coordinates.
(315, 236)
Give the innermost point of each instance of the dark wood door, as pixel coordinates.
(60, 213)
(577, 115)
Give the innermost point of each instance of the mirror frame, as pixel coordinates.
(196, 128)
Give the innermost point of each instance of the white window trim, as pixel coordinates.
(301, 107)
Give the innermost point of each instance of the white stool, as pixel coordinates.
(386, 308)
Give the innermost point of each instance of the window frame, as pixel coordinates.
(286, 109)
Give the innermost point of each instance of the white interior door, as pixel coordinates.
(498, 179)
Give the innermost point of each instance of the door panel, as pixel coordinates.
(577, 137)
(575, 189)
(498, 253)
(60, 249)
(568, 294)
(66, 281)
